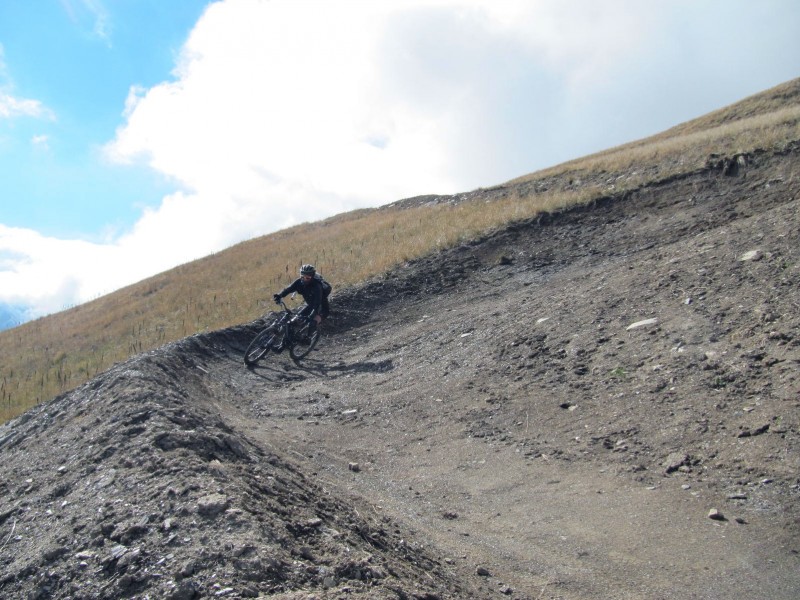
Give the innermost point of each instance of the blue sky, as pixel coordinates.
(78, 60)
(139, 134)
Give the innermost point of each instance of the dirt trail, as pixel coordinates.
(536, 447)
(549, 412)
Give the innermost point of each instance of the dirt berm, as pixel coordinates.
(597, 404)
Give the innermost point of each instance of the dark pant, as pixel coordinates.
(323, 312)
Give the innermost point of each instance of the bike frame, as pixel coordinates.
(286, 321)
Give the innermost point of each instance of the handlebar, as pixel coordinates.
(291, 312)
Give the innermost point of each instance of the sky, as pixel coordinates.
(137, 135)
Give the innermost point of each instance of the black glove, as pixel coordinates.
(277, 298)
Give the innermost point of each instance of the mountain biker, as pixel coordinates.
(314, 291)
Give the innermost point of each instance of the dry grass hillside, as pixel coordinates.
(43, 358)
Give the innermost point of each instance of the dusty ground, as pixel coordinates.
(487, 422)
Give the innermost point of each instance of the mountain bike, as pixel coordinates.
(285, 330)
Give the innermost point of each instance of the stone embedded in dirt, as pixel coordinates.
(54, 552)
(752, 255)
(753, 432)
(188, 569)
(482, 572)
(354, 467)
(641, 324)
(212, 504)
(125, 532)
(675, 461)
(716, 515)
(186, 590)
(128, 558)
(116, 553)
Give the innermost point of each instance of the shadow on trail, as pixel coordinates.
(291, 371)
(320, 368)
(275, 371)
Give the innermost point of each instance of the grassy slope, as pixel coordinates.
(40, 359)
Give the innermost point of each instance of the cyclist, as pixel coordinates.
(314, 290)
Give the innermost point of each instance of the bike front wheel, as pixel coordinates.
(259, 347)
(304, 343)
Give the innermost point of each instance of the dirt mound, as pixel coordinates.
(134, 485)
(599, 403)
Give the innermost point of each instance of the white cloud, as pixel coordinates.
(11, 106)
(280, 112)
(291, 96)
(41, 141)
(291, 111)
(49, 274)
(40, 271)
(90, 15)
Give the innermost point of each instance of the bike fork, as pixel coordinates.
(284, 343)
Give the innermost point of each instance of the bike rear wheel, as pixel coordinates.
(303, 343)
(260, 346)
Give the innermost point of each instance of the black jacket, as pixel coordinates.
(311, 293)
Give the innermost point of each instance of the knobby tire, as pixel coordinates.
(300, 349)
(259, 347)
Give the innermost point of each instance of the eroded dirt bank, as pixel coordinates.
(550, 412)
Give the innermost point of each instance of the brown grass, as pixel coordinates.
(43, 358)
